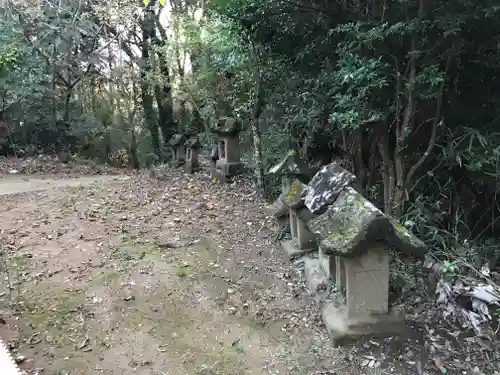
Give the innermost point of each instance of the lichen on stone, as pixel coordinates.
(352, 225)
(193, 143)
(293, 196)
(325, 187)
(227, 126)
(176, 140)
(278, 208)
(292, 166)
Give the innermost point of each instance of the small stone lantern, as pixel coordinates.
(356, 237)
(323, 189)
(303, 240)
(228, 163)
(289, 169)
(177, 144)
(192, 146)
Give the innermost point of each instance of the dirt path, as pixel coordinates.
(22, 184)
(141, 277)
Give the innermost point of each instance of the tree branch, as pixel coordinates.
(435, 123)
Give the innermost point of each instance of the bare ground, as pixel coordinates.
(128, 275)
(147, 277)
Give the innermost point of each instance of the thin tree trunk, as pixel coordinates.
(146, 96)
(256, 135)
(387, 173)
(163, 90)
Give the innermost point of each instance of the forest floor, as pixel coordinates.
(130, 275)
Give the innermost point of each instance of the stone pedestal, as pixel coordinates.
(178, 148)
(228, 163)
(303, 241)
(333, 267)
(365, 279)
(217, 175)
(340, 277)
(179, 154)
(227, 168)
(343, 330)
(367, 284)
(301, 233)
(191, 165)
(191, 159)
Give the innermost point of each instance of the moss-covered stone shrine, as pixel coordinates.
(192, 146)
(177, 144)
(228, 163)
(350, 274)
(293, 172)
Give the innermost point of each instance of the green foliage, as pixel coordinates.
(404, 96)
(339, 75)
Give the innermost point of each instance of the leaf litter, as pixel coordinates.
(189, 269)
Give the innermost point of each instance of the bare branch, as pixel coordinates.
(435, 122)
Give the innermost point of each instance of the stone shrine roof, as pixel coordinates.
(292, 165)
(176, 140)
(352, 225)
(325, 187)
(227, 126)
(192, 142)
(294, 196)
(278, 208)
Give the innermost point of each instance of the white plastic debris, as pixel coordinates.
(479, 298)
(485, 293)
(7, 363)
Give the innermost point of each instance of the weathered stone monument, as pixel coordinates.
(350, 275)
(322, 191)
(192, 146)
(177, 144)
(303, 240)
(228, 163)
(291, 168)
(354, 239)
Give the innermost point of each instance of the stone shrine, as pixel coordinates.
(349, 274)
(354, 239)
(228, 163)
(177, 144)
(291, 168)
(192, 146)
(303, 240)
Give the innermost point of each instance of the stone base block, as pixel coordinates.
(317, 280)
(283, 221)
(218, 175)
(293, 250)
(229, 169)
(190, 168)
(344, 331)
(325, 262)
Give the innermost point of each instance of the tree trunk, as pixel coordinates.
(359, 166)
(146, 96)
(256, 135)
(163, 90)
(134, 158)
(163, 95)
(388, 174)
(67, 101)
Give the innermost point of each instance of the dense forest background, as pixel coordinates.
(405, 93)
